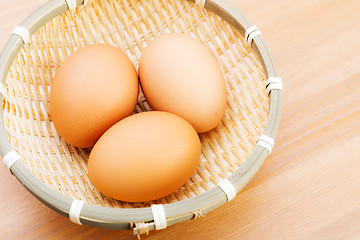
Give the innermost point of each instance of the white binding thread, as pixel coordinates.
(250, 30)
(23, 33)
(228, 189)
(273, 83)
(159, 216)
(75, 210)
(266, 142)
(200, 3)
(10, 158)
(71, 4)
(250, 34)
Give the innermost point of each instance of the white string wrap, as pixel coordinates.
(266, 142)
(75, 210)
(23, 33)
(228, 189)
(71, 4)
(200, 3)
(159, 216)
(10, 158)
(250, 34)
(273, 83)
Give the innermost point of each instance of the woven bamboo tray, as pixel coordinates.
(56, 173)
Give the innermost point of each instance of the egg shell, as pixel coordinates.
(179, 74)
(144, 157)
(94, 88)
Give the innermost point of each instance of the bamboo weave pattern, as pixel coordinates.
(129, 25)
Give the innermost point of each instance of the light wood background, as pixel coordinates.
(309, 187)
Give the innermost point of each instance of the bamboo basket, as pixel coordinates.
(56, 172)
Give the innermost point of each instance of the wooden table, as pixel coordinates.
(309, 187)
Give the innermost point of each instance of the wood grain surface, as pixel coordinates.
(309, 187)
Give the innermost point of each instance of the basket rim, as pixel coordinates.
(126, 218)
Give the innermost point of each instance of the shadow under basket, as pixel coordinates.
(56, 172)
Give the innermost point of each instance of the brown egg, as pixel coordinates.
(144, 157)
(94, 88)
(179, 74)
